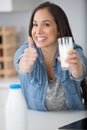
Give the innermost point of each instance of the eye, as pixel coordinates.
(46, 24)
(34, 25)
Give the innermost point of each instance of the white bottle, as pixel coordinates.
(15, 109)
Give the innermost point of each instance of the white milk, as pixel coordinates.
(65, 44)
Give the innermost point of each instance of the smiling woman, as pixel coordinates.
(46, 87)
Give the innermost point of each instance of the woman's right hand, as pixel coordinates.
(29, 57)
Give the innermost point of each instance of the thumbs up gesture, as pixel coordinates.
(29, 57)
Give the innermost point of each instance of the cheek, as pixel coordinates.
(32, 33)
(53, 33)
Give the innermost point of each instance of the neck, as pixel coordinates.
(49, 52)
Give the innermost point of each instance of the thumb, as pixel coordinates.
(30, 42)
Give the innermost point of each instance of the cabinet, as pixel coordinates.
(16, 5)
(8, 46)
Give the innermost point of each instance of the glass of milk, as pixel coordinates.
(65, 45)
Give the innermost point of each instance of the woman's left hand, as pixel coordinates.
(75, 65)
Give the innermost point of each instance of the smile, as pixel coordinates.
(41, 38)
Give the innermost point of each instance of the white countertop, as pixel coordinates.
(47, 120)
(52, 120)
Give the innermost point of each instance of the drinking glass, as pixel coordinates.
(65, 45)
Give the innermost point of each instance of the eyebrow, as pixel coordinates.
(43, 21)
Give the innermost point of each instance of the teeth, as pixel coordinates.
(40, 39)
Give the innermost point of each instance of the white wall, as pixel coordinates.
(75, 10)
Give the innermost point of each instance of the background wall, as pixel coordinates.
(76, 11)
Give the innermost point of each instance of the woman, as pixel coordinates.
(46, 87)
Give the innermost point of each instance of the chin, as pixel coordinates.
(39, 46)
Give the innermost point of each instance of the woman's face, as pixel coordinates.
(44, 31)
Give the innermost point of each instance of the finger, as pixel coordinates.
(71, 52)
(30, 41)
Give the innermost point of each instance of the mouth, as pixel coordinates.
(41, 39)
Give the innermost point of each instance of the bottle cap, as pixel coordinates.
(15, 86)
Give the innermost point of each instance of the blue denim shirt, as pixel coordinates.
(35, 83)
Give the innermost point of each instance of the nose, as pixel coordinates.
(39, 30)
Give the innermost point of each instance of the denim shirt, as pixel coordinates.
(34, 84)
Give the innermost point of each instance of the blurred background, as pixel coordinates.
(14, 23)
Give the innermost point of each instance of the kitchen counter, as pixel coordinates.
(38, 120)
(52, 120)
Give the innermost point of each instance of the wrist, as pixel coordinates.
(77, 73)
